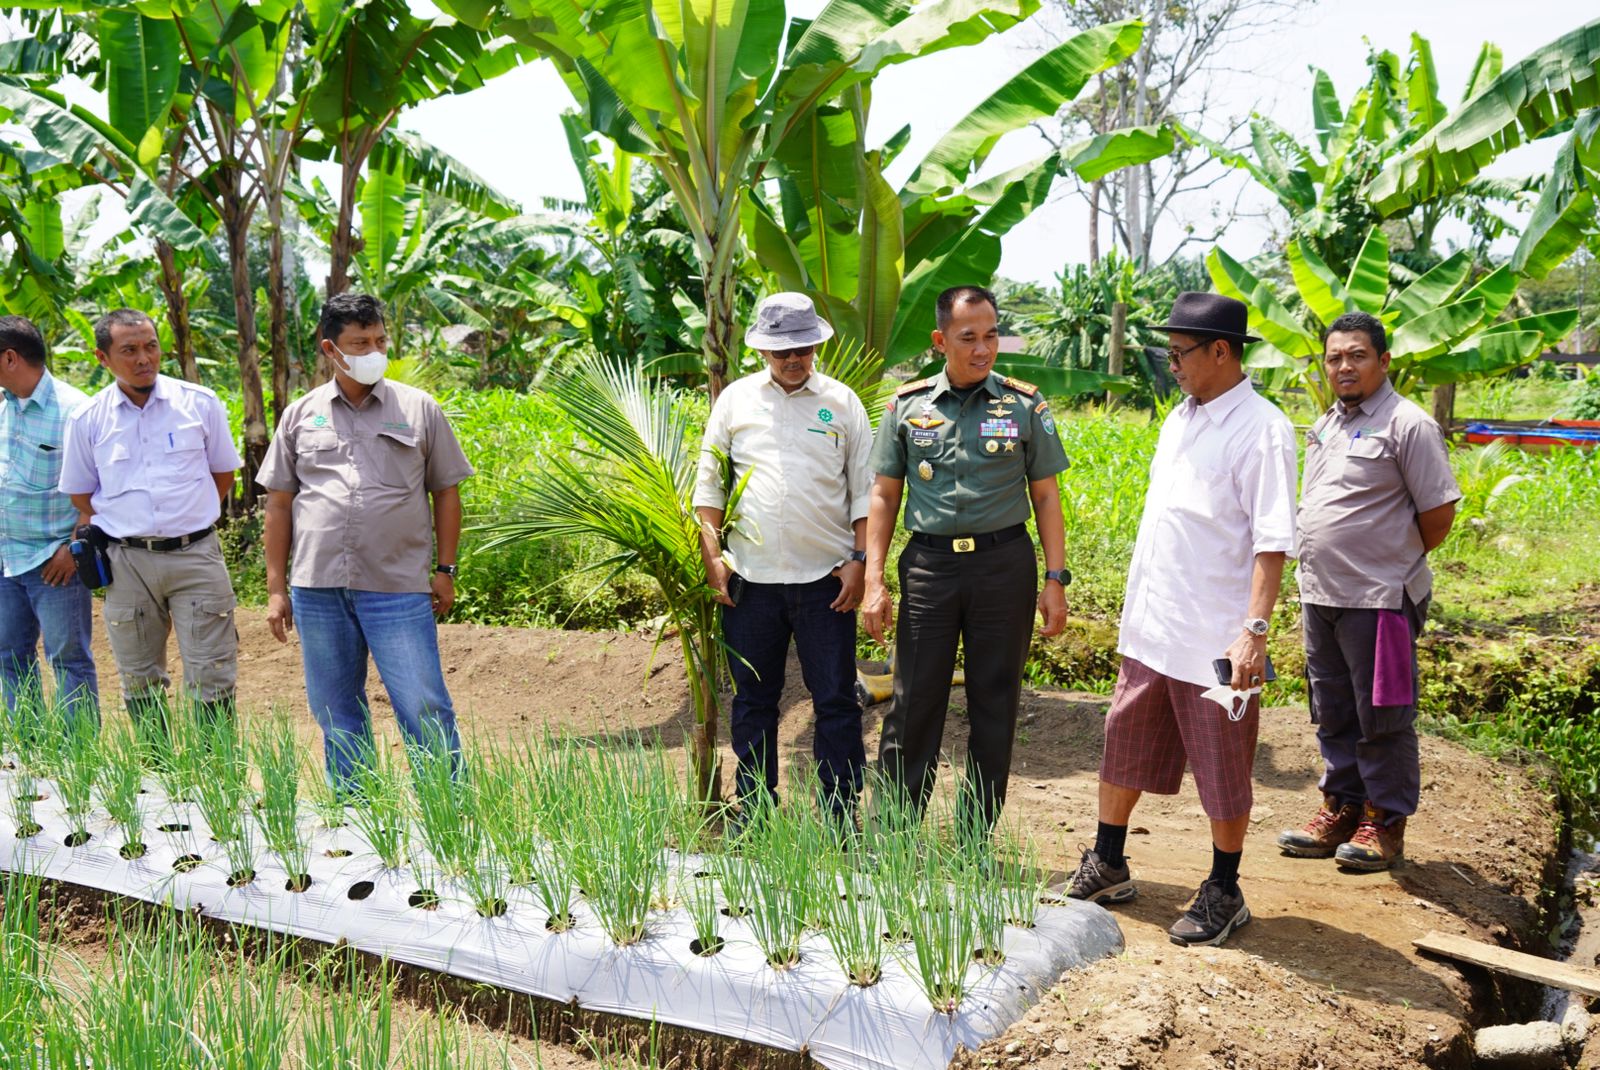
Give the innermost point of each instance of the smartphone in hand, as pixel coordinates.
(735, 587)
(1223, 667)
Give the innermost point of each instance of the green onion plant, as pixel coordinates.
(378, 809)
(78, 768)
(122, 789)
(277, 755)
(855, 922)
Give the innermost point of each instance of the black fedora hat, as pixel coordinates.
(1198, 313)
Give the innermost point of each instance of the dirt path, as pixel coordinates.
(1325, 975)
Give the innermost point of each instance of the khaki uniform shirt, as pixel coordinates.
(967, 464)
(1370, 469)
(361, 476)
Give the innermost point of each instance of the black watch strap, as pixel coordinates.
(1060, 575)
(858, 555)
(448, 570)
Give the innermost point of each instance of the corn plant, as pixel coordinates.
(122, 789)
(379, 813)
(855, 923)
(277, 754)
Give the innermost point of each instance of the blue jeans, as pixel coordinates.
(337, 628)
(758, 631)
(64, 616)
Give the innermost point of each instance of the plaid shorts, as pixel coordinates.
(1157, 724)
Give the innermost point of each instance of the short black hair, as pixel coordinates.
(945, 307)
(1365, 323)
(117, 317)
(341, 310)
(20, 334)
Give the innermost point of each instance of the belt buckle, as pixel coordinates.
(963, 546)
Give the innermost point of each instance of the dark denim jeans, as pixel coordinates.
(64, 616)
(337, 628)
(758, 631)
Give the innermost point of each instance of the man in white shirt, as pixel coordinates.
(794, 564)
(148, 462)
(1218, 523)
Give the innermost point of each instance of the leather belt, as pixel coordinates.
(161, 546)
(964, 544)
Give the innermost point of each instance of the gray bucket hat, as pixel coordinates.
(787, 321)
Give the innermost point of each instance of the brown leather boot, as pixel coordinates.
(1379, 842)
(1331, 826)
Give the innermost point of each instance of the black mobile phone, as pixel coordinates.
(1224, 670)
(735, 587)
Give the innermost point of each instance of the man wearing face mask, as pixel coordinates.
(349, 477)
(148, 462)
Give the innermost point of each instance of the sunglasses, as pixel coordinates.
(799, 351)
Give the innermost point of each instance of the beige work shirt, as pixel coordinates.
(1370, 469)
(361, 476)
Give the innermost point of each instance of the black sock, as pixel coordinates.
(1225, 868)
(1109, 841)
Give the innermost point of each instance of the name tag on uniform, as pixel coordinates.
(924, 436)
(998, 429)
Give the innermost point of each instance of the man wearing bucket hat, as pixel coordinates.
(793, 562)
(1218, 523)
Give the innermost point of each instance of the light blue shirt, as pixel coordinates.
(148, 470)
(35, 516)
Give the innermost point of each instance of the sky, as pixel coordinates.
(509, 132)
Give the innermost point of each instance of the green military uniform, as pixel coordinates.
(969, 574)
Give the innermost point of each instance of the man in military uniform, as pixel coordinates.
(971, 453)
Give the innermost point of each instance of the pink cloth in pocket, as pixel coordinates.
(1392, 684)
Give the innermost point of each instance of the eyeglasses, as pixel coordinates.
(798, 351)
(1176, 355)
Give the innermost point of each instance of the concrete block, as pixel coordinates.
(1534, 1046)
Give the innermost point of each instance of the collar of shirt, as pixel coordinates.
(1219, 408)
(1368, 406)
(43, 393)
(807, 387)
(162, 391)
(378, 395)
(941, 384)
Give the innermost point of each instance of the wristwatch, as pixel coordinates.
(1060, 575)
(448, 570)
(858, 555)
(1256, 626)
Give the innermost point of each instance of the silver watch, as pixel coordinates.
(1256, 626)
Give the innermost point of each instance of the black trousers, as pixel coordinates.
(985, 600)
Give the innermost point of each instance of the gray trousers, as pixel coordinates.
(151, 595)
(1369, 753)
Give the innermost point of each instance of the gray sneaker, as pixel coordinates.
(1212, 916)
(1096, 882)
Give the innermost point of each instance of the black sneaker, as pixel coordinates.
(1096, 882)
(1212, 916)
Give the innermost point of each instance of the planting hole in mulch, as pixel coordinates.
(423, 899)
(901, 937)
(729, 912)
(560, 925)
(705, 951)
(173, 826)
(184, 863)
(783, 964)
(985, 957)
(241, 877)
(76, 839)
(297, 884)
(702, 874)
(32, 828)
(494, 908)
(360, 890)
(336, 852)
(130, 851)
(855, 897)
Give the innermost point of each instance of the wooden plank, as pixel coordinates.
(1528, 967)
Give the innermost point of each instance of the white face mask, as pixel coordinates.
(365, 369)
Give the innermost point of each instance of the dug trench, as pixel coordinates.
(1324, 976)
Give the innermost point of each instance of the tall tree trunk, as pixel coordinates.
(1134, 177)
(720, 343)
(341, 251)
(236, 223)
(277, 307)
(1095, 189)
(1444, 406)
(171, 284)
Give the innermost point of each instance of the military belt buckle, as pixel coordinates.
(963, 546)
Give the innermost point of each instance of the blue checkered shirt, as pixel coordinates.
(35, 517)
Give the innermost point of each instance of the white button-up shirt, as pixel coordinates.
(807, 454)
(148, 470)
(1222, 490)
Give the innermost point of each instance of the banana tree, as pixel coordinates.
(710, 92)
(875, 259)
(1444, 327)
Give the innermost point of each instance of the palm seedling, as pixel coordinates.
(379, 807)
(122, 790)
(277, 754)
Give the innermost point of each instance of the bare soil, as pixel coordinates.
(1324, 976)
